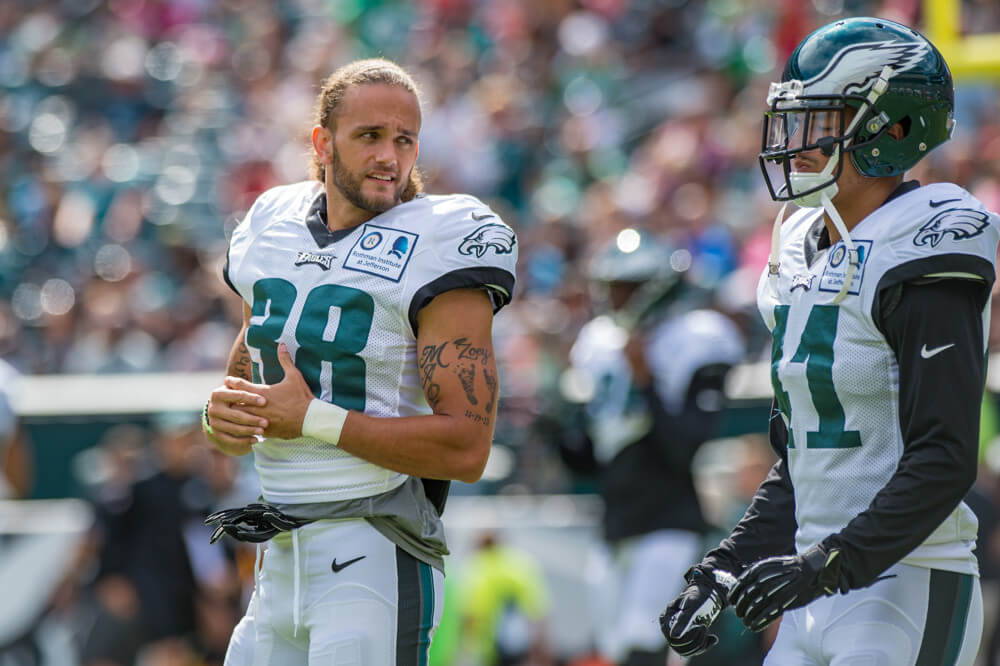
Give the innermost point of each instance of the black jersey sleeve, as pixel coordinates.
(768, 526)
(935, 329)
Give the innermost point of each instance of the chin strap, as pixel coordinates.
(772, 259)
(853, 258)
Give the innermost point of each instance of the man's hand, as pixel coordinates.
(284, 404)
(686, 619)
(771, 586)
(231, 428)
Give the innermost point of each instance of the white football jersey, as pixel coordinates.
(345, 303)
(835, 376)
(675, 348)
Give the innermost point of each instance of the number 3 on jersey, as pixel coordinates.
(344, 382)
(815, 349)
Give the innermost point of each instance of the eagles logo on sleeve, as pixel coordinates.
(500, 237)
(960, 223)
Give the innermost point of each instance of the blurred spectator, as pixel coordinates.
(495, 610)
(133, 134)
(160, 591)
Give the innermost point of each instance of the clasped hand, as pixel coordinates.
(764, 591)
(240, 411)
(774, 585)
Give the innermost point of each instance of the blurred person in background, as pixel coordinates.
(158, 590)
(496, 609)
(877, 296)
(651, 369)
(363, 380)
(113, 633)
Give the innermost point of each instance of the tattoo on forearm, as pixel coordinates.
(240, 364)
(467, 375)
(491, 386)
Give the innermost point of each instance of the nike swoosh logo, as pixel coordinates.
(927, 353)
(337, 568)
(482, 217)
(935, 204)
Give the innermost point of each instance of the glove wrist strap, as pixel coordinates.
(721, 581)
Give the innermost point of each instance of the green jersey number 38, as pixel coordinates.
(273, 299)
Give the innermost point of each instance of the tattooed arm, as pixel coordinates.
(239, 355)
(459, 378)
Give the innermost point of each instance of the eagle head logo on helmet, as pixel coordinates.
(843, 88)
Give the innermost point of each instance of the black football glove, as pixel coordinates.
(686, 619)
(771, 586)
(253, 523)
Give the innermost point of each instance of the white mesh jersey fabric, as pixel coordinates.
(837, 375)
(344, 310)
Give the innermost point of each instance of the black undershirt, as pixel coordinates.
(939, 406)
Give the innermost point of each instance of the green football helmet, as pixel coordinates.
(880, 71)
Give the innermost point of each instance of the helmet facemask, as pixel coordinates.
(796, 123)
(811, 118)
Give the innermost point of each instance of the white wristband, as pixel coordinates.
(324, 421)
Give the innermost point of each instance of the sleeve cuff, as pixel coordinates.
(498, 283)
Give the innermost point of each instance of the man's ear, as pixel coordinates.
(416, 152)
(896, 131)
(322, 138)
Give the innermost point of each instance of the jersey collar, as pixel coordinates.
(901, 189)
(316, 222)
(818, 238)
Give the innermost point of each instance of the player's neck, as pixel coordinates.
(857, 203)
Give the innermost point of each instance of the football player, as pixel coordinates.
(363, 380)
(653, 365)
(876, 295)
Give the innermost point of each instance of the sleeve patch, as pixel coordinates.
(493, 236)
(382, 251)
(956, 223)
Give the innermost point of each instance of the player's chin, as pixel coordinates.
(381, 198)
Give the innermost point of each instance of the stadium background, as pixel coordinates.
(135, 133)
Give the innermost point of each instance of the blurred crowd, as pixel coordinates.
(134, 134)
